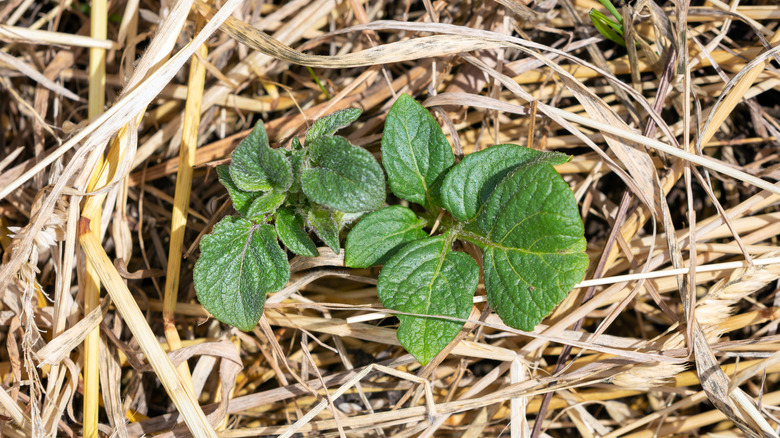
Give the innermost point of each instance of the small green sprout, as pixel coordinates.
(611, 30)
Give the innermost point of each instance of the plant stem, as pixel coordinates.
(189, 142)
(97, 99)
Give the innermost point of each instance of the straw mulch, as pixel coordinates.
(114, 116)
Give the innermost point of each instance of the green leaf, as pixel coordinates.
(379, 235)
(257, 167)
(328, 125)
(297, 157)
(612, 10)
(296, 144)
(343, 177)
(415, 153)
(289, 227)
(325, 226)
(468, 185)
(240, 198)
(608, 28)
(533, 244)
(239, 264)
(266, 203)
(425, 278)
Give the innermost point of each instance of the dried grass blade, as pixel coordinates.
(700, 160)
(35, 75)
(23, 34)
(98, 131)
(408, 50)
(324, 403)
(715, 382)
(734, 92)
(189, 144)
(13, 409)
(60, 347)
(183, 399)
(97, 100)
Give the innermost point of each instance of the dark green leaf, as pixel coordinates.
(468, 185)
(415, 153)
(241, 199)
(380, 234)
(289, 227)
(325, 226)
(266, 203)
(425, 278)
(343, 177)
(296, 144)
(239, 264)
(257, 167)
(297, 156)
(533, 244)
(328, 125)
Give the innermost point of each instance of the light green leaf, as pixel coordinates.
(533, 243)
(415, 153)
(612, 10)
(380, 234)
(256, 167)
(266, 203)
(289, 227)
(343, 176)
(608, 28)
(241, 199)
(328, 125)
(325, 226)
(426, 278)
(468, 185)
(239, 264)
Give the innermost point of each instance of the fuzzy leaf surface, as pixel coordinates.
(239, 264)
(425, 277)
(415, 153)
(256, 167)
(379, 235)
(268, 202)
(469, 184)
(325, 226)
(240, 198)
(342, 176)
(533, 244)
(328, 125)
(289, 227)
(297, 157)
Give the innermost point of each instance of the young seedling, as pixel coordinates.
(279, 194)
(508, 200)
(611, 30)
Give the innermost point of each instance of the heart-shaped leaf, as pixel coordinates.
(240, 198)
(328, 125)
(256, 167)
(380, 234)
(289, 227)
(415, 153)
(469, 184)
(425, 277)
(240, 263)
(342, 176)
(533, 243)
